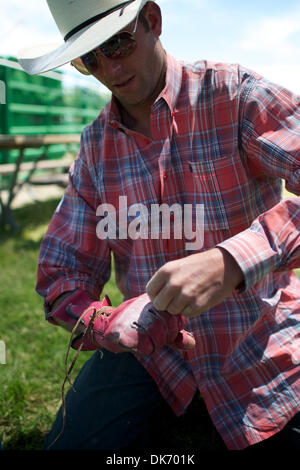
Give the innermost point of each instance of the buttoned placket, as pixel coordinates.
(164, 160)
(164, 163)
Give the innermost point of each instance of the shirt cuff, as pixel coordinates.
(63, 286)
(252, 251)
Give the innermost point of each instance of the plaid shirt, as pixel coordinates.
(224, 137)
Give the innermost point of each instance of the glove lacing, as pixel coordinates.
(89, 332)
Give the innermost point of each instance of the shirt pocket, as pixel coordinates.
(222, 186)
(207, 191)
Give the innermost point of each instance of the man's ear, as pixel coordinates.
(152, 13)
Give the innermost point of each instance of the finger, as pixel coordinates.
(190, 311)
(178, 304)
(163, 298)
(155, 284)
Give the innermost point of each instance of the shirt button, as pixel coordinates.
(165, 176)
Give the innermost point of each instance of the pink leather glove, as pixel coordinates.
(135, 325)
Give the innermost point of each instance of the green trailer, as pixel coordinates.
(43, 104)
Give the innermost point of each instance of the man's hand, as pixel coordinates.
(135, 325)
(194, 284)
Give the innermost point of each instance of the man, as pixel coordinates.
(211, 136)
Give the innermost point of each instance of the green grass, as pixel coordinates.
(30, 381)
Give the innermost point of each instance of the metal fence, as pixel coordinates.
(38, 105)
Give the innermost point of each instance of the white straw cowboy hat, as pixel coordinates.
(84, 25)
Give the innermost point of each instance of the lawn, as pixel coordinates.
(31, 379)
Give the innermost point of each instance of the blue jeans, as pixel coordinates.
(116, 405)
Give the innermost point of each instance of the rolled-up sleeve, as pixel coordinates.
(270, 142)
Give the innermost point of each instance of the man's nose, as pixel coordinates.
(112, 67)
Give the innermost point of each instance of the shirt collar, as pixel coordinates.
(169, 94)
(172, 88)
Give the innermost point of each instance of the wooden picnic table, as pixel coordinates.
(22, 142)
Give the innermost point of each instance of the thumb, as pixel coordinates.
(184, 340)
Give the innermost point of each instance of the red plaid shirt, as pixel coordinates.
(226, 138)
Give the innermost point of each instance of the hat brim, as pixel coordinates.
(39, 59)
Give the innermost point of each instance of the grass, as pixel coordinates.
(31, 379)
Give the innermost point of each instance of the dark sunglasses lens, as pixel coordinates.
(89, 60)
(120, 45)
(79, 65)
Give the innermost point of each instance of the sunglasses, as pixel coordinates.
(119, 46)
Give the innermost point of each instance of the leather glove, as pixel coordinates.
(135, 325)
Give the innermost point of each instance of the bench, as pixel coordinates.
(42, 171)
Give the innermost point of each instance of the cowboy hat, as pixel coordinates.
(84, 24)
